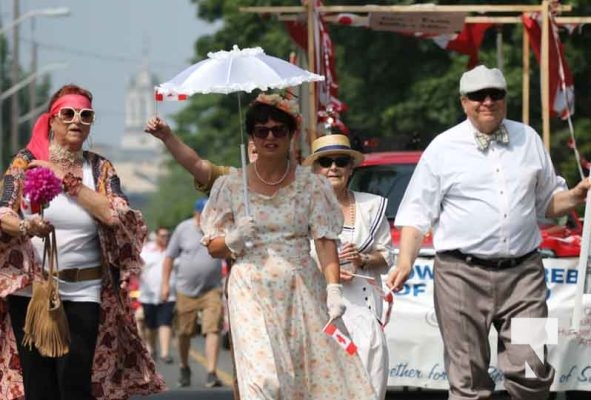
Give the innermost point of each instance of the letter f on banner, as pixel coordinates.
(537, 332)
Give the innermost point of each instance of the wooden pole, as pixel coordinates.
(500, 59)
(490, 8)
(312, 119)
(545, 74)
(525, 84)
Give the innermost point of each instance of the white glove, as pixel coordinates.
(243, 230)
(334, 300)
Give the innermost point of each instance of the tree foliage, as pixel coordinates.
(42, 94)
(400, 89)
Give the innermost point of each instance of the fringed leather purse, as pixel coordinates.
(46, 324)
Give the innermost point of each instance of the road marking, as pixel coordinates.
(225, 377)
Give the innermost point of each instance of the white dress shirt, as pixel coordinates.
(484, 203)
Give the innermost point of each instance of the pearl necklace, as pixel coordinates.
(277, 182)
(351, 209)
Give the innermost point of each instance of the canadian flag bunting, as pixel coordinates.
(468, 41)
(331, 330)
(561, 88)
(328, 102)
(169, 97)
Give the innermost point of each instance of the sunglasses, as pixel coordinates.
(278, 131)
(68, 114)
(341, 162)
(481, 95)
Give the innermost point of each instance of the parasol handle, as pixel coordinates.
(248, 243)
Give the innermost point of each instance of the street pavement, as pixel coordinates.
(170, 372)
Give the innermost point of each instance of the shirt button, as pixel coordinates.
(366, 299)
(504, 215)
(364, 289)
(498, 170)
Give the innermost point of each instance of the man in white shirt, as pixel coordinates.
(158, 313)
(481, 186)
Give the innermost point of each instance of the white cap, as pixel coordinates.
(480, 78)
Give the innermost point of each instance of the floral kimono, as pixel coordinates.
(122, 366)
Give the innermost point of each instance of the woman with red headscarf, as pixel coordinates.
(99, 239)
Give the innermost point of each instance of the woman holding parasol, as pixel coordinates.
(279, 301)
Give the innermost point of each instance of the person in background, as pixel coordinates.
(481, 186)
(99, 238)
(158, 313)
(198, 289)
(365, 249)
(279, 301)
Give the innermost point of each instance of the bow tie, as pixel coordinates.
(483, 140)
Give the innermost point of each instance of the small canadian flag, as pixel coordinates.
(169, 97)
(331, 330)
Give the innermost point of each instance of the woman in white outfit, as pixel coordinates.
(365, 249)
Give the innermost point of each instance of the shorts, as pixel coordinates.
(157, 315)
(188, 308)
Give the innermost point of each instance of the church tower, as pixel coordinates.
(139, 106)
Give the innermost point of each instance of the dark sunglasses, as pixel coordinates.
(278, 131)
(481, 95)
(67, 115)
(341, 162)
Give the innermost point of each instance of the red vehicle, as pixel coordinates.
(388, 174)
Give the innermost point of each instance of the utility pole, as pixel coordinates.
(33, 84)
(14, 75)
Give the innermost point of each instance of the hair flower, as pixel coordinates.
(289, 106)
(41, 186)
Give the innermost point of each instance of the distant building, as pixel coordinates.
(139, 106)
(140, 155)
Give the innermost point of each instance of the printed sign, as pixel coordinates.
(425, 22)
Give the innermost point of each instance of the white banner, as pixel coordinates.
(416, 349)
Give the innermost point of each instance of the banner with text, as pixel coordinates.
(416, 349)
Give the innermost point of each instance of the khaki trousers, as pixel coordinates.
(469, 299)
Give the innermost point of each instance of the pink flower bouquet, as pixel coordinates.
(41, 186)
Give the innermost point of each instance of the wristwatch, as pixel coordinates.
(364, 260)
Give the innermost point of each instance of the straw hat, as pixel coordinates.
(332, 145)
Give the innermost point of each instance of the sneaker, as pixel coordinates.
(167, 360)
(212, 380)
(185, 378)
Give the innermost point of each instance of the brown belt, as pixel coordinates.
(80, 274)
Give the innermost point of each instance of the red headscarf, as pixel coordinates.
(39, 143)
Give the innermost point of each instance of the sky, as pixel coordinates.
(103, 41)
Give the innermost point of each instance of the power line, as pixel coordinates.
(97, 56)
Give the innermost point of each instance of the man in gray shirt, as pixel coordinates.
(198, 287)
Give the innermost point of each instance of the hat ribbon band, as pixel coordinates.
(333, 147)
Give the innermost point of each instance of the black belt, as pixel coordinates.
(497, 263)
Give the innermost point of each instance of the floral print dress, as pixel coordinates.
(277, 295)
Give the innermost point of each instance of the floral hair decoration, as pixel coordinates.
(289, 106)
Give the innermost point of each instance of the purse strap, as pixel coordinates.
(50, 255)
